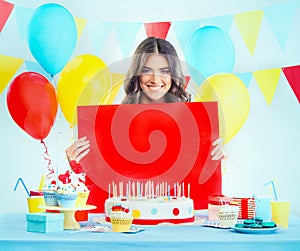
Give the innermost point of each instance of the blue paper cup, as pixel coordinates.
(263, 208)
(50, 198)
(66, 200)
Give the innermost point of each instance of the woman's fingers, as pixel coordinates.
(82, 142)
(218, 155)
(218, 150)
(81, 151)
(218, 141)
(78, 149)
(81, 155)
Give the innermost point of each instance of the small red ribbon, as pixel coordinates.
(47, 157)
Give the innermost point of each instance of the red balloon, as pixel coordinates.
(32, 103)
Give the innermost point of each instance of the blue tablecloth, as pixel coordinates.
(13, 236)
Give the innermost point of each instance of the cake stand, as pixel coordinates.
(69, 212)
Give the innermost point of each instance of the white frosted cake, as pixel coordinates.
(152, 211)
(151, 203)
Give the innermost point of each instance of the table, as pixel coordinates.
(13, 236)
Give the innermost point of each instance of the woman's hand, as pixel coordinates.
(78, 149)
(218, 151)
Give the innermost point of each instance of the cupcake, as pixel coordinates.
(49, 192)
(66, 196)
(120, 218)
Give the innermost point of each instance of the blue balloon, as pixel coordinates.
(52, 37)
(209, 51)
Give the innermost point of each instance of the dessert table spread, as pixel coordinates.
(13, 236)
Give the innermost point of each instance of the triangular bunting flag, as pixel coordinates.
(279, 23)
(5, 11)
(8, 68)
(248, 24)
(23, 16)
(126, 33)
(187, 80)
(80, 24)
(292, 75)
(267, 81)
(245, 77)
(98, 32)
(223, 22)
(184, 30)
(157, 29)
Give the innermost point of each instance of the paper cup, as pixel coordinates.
(263, 208)
(228, 215)
(66, 200)
(82, 199)
(50, 198)
(120, 221)
(34, 203)
(120, 224)
(281, 213)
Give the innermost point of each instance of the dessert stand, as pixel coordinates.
(69, 212)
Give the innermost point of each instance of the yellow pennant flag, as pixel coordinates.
(267, 81)
(80, 24)
(248, 24)
(8, 68)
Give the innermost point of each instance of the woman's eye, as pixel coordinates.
(146, 70)
(165, 71)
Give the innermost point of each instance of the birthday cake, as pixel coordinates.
(151, 208)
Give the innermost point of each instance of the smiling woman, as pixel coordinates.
(154, 76)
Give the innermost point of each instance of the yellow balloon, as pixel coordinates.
(85, 80)
(233, 102)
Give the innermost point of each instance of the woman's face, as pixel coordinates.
(155, 80)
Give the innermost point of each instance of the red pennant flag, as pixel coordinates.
(5, 10)
(292, 75)
(187, 80)
(157, 29)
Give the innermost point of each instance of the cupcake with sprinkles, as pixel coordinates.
(73, 183)
(66, 195)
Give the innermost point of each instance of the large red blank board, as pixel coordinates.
(169, 142)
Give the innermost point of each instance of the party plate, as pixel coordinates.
(256, 230)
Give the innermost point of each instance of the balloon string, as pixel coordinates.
(54, 81)
(47, 157)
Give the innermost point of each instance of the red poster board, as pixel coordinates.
(168, 142)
